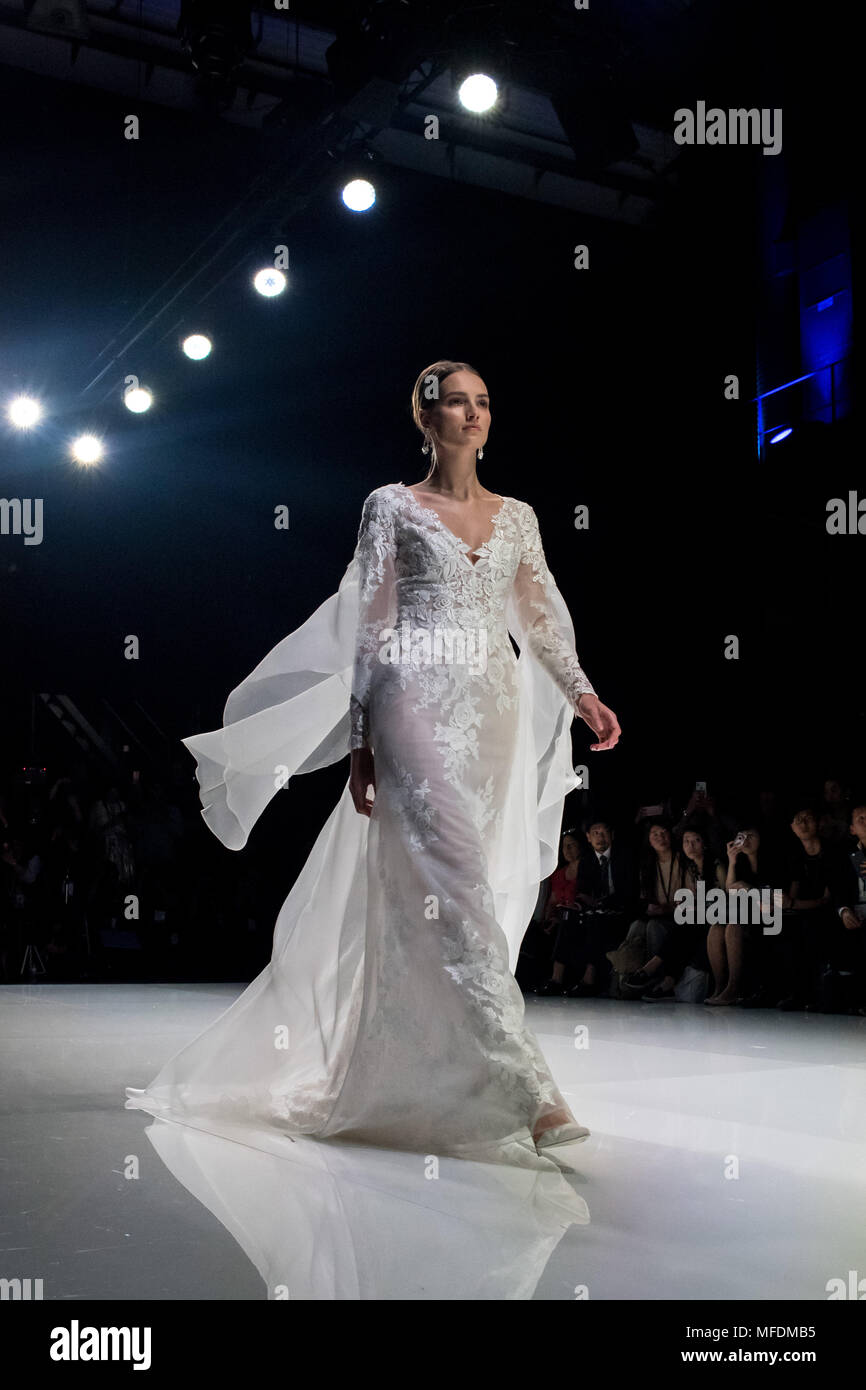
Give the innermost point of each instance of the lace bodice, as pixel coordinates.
(416, 579)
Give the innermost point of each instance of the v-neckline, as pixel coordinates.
(465, 548)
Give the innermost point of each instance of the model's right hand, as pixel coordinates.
(362, 776)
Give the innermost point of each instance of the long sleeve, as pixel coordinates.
(543, 615)
(377, 606)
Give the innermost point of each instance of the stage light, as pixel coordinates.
(24, 412)
(359, 195)
(270, 282)
(138, 399)
(87, 449)
(478, 93)
(783, 434)
(197, 346)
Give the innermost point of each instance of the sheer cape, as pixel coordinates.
(291, 715)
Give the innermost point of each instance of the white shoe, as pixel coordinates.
(553, 1143)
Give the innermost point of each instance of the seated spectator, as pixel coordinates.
(756, 968)
(563, 880)
(808, 924)
(604, 897)
(849, 900)
(561, 896)
(662, 874)
(723, 951)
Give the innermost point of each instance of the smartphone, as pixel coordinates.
(701, 788)
(739, 840)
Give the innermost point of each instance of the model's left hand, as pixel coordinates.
(601, 720)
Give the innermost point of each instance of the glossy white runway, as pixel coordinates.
(727, 1161)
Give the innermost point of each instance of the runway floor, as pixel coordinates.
(727, 1161)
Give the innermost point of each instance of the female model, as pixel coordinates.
(391, 974)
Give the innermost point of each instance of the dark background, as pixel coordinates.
(606, 390)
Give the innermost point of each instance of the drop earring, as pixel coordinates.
(480, 454)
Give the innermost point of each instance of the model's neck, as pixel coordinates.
(454, 474)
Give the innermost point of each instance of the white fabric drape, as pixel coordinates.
(291, 1033)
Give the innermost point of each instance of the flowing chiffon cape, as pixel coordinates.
(283, 1047)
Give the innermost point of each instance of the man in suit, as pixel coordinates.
(607, 897)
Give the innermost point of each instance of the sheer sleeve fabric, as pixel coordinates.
(377, 606)
(544, 619)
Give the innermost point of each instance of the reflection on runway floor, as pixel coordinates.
(726, 1161)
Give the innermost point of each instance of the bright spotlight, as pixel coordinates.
(24, 412)
(783, 434)
(270, 281)
(478, 92)
(197, 346)
(138, 399)
(359, 195)
(87, 449)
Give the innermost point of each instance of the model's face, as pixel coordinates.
(660, 839)
(804, 825)
(752, 842)
(858, 823)
(693, 845)
(462, 414)
(570, 850)
(599, 838)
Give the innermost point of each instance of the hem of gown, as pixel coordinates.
(514, 1150)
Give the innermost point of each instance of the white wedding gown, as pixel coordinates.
(389, 1014)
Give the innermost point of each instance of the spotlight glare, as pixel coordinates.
(478, 92)
(87, 449)
(783, 434)
(197, 346)
(24, 412)
(138, 399)
(270, 281)
(359, 195)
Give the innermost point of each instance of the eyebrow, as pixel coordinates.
(485, 394)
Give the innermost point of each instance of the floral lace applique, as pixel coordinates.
(416, 811)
